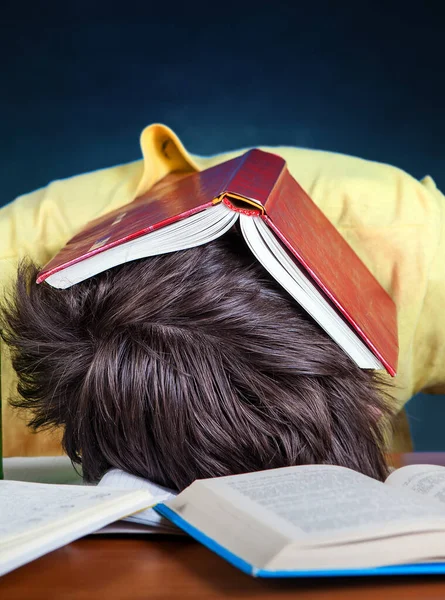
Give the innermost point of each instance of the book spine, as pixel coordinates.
(256, 176)
(250, 212)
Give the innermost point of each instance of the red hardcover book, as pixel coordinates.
(258, 188)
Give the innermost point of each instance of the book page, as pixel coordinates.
(117, 479)
(195, 230)
(27, 507)
(325, 503)
(124, 527)
(36, 518)
(426, 480)
(276, 259)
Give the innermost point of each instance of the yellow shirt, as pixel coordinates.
(392, 221)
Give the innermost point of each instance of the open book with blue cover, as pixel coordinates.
(305, 521)
(319, 520)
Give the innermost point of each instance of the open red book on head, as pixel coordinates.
(282, 226)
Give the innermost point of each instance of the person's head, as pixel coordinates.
(189, 365)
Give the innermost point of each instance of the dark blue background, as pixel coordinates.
(365, 78)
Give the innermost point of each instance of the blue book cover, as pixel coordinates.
(406, 569)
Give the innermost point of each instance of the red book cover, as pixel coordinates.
(264, 185)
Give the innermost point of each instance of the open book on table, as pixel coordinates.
(285, 230)
(36, 518)
(297, 521)
(319, 520)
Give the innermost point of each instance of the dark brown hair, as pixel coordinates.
(188, 365)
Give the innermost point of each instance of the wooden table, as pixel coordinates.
(157, 567)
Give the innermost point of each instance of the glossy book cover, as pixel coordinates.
(256, 183)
